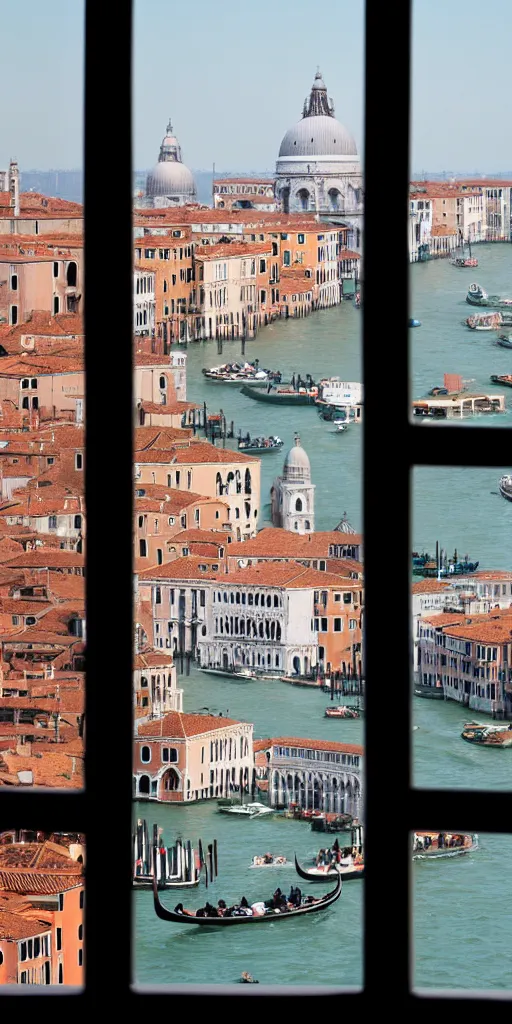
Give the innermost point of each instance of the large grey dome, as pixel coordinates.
(170, 177)
(318, 136)
(297, 466)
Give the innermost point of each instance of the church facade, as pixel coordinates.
(293, 495)
(318, 168)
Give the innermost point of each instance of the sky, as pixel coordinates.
(233, 77)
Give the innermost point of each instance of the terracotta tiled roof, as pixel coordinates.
(17, 926)
(149, 657)
(187, 568)
(429, 586)
(179, 725)
(48, 558)
(490, 632)
(274, 542)
(201, 453)
(232, 250)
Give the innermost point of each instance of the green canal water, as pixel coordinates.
(462, 906)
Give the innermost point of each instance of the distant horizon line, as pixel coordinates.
(209, 170)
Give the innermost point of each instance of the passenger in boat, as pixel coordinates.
(258, 909)
(179, 909)
(440, 841)
(221, 908)
(268, 858)
(295, 897)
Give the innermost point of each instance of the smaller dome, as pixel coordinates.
(344, 525)
(297, 467)
(318, 82)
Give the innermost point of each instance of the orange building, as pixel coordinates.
(41, 913)
(40, 275)
(170, 259)
(161, 513)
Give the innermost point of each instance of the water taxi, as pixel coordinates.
(502, 378)
(254, 810)
(505, 486)
(342, 712)
(477, 296)
(487, 735)
(442, 844)
(348, 868)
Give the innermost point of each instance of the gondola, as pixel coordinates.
(314, 875)
(224, 922)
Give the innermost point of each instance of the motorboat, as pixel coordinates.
(428, 845)
(243, 373)
(503, 378)
(259, 445)
(483, 321)
(487, 735)
(308, 905)
(504, 340)
(464, 261)
(340, 425)
(269, 860)
(282, 395)
(254, 810)
(414, 323)
(348, 869)
(477, 296)
(505, 486)
(342, 712)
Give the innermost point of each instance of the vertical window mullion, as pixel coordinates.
(108, 468)
(386, 492)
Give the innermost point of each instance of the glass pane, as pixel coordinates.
(42, 898)
(459, 218)
(462, 618)
(236, 468)
(461, 914)
(42, 386)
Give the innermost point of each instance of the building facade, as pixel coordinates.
(320, 775)
(182, 758)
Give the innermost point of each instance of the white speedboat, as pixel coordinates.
(246, 810)
(268, 860)
(340, 424)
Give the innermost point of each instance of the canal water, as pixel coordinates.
(462, 906)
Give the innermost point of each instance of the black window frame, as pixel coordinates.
(387, 905)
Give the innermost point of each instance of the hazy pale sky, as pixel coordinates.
(234, 76)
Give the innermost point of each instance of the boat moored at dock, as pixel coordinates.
(487, 735)
(282, 395)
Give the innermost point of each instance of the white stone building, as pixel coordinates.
(261, 618)
(293, 495)
(318, 168)
(314, 774)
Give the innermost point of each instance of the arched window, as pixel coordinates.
(218, 484)
(71, 275)
(144, 785)
(298, 505)
(303, 198)
(238, 482)
(230, 480)
(307, 524)
(145, 754)
(248, 481)
(163, 383)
